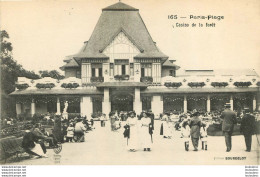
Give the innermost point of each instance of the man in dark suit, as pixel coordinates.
(152, 118)
(248, 128)
(229, 120)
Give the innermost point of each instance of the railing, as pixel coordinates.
(121, 77)
(97, 79)
(147, 80)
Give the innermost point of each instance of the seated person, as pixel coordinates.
(40, 137)
(49, 138)
(31, 146)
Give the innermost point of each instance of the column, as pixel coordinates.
(254, 103)
(231, 102)
(137, 72)
(185, 104)
(137, 101)
(18, 108)
(32, 107)
(208, 104)
(86, 106)
(106, 105)
(157, 105)
(58, 106)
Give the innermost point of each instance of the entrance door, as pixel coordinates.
(122, 102)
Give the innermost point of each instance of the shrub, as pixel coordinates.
(70, 85)
(121, 77)
(242, 84)
(97, 79)
(45, 85)
(147, 79)
(219, 84)
(196, 84)
(22, 86)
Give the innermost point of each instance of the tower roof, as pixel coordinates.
(115, 18)
(119, 7)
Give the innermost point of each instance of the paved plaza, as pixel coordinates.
(103, 147)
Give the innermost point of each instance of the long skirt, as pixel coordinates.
(145, 138)
(112, 122)
(167, 129)
(133, 140)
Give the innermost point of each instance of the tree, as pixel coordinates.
(10, 71)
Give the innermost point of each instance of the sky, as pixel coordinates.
(44, 32)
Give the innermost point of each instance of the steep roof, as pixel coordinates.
(120, 17)
(119, 7)
(167, 63)
(71, 64)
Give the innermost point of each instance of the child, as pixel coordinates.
(70, 132)
(204, 135)
(186, 134)
(117, 124)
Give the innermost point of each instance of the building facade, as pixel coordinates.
(120, 68)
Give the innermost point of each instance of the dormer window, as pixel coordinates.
(96, 70)
(146, 69)
(172, 72)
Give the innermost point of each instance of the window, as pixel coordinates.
(111, 73)
(123, 69)
(146, 69)
(93, 72)
(142, 72)
(100, 74)
(172, 73)
(78, 74)
(131, 69)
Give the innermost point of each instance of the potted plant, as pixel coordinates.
(22, 86)
(242, 84)
(219, 84)
(196, 84)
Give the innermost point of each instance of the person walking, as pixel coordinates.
(195, 125)
(204, 135)
(145, 131)
(186, 134)
(229, 120)
(248, 128)
(132, 122)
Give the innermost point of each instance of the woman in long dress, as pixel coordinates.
(145, 132)
(112, 120)
(132, 122)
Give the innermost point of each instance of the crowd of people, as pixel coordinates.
(138, 129)
(37, 138)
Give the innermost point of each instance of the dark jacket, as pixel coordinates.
(248, 125)
(127, 131)
(29, 140)
(152, 120)
(229, 120)
(161, 130)
(195, 125)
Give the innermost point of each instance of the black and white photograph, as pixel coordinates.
(128, 82)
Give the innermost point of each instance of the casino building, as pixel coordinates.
(121, 68)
